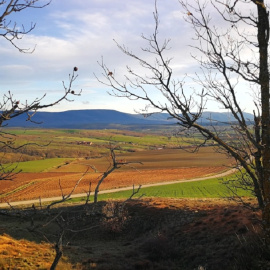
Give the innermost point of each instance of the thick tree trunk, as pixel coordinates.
(263, 37)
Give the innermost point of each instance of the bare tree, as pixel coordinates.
(10, 107)
(113, 165)
(233, 54)
(10, 30)
(78, 219)
(66, 197)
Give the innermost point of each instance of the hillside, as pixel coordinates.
(87, 119)
(154, 233)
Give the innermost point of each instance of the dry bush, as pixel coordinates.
(254, 254)
(115, 216)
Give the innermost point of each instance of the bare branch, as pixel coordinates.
(67, 197)
(233, 57)
(10, 30)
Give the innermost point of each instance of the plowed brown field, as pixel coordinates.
(157, 166)
(34, 185)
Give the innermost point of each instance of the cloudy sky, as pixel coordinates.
(79, 33)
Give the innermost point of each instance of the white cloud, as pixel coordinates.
(79, 33)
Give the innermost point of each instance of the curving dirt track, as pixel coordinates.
(27, 186)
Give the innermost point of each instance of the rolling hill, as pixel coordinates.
(87, 119)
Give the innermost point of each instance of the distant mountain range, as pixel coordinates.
(89, 119)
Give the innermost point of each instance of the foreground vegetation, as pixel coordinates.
(168, 234)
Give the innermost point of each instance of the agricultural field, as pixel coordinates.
(182, 225)
(54, 143)
(59, 158)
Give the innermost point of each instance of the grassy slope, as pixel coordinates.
(37, 166)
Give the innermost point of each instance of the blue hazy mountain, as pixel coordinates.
(84, 119)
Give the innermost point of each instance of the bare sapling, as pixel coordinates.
(114, 165)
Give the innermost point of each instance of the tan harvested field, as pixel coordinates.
(158, 166)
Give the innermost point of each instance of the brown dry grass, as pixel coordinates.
(24, 254)
(157, 234)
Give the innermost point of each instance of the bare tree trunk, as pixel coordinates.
(59, 252)
(104, 175)
(114, 165)
(263, 38)
(225, 62)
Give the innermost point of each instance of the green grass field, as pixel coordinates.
(212, 188)
(37, 166)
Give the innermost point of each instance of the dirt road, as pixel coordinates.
(29, 202)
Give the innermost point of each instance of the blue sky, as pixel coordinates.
(78, 33)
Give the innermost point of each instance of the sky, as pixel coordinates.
(80, 33)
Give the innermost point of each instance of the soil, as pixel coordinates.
(26, 186)
(149, 234)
